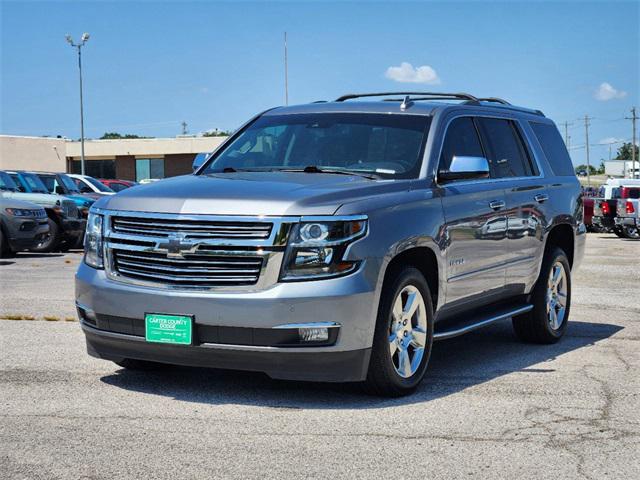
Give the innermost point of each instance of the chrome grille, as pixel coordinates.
(192, 270)
(69, 209)
(191, 229)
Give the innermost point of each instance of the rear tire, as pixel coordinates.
(3, 245)
(403, 335)
(631, 232)
(619, 232)
(551, 298)
(140, 365)
(50, 243)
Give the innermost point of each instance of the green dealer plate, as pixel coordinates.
(161, 328)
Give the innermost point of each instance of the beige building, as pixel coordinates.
(130, 159)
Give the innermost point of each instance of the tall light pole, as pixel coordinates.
(79, 45)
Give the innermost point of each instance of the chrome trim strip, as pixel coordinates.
(469, 328)
(505, 264)
(309, 325)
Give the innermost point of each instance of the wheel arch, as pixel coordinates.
(561, 235)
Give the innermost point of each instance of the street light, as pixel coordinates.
(83, 40)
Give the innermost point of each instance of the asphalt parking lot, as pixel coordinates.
(489, 407)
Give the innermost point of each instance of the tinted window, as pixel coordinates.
(386, 145)
(506, 152)
(461, 140)
(117, 187)
(49, 182)
(554, 148)
(6, 183)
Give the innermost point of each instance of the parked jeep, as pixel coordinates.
(66, 226)
(23, 225)
(336, 241)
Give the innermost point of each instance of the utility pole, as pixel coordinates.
(566, 133)
(286, 72)
(633, 119)
(184, 127)
(83, 40)
(586, 135)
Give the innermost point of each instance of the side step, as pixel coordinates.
(454, 327)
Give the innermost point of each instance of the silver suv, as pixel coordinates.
(336, 241)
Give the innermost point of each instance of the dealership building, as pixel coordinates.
(127, 159)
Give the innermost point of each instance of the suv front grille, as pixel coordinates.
(69, 209)
(191, 229)
(192, 270)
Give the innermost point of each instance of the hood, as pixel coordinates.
(250, 193)
(81, 200)
(42, 199)
(8, 202)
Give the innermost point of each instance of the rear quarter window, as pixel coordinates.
(554, 148)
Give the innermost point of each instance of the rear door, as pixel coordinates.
(511, 160)
(475, 228)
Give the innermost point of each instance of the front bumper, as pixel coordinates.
(73, 228)
(26, 233)
(349, 301)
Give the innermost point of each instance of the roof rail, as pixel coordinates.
(494, 100)
(426, 95)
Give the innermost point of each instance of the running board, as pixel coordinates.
(468, 325)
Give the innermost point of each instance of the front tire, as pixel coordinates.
(551, 298)
(403, 335)
(52, 241)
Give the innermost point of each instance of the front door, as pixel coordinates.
(475, 229)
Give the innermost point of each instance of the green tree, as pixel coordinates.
(216, 133)
(624, 152)
(118, 136)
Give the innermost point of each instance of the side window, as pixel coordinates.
(461, 140)
(507, 154)
(554, 148)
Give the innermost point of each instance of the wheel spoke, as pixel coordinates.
(411, 306)
(393, 345)
(397, 309)
(557, 275)
(404, 363)
(562, 299)
(419, 337)
(553, 318)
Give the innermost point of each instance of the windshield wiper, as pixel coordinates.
(335, 171)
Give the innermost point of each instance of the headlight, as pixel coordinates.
(21, 212)
(93, 241)
(316, 249)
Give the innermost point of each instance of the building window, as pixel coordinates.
(95, 168)
(149, 168)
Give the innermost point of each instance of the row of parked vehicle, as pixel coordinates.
(614, 207)
(45, 211)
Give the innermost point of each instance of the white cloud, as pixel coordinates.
(606, 92)
(407, 73)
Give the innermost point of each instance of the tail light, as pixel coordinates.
(629, 208)
(605, 208)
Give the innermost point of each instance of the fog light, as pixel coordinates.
(316, 334)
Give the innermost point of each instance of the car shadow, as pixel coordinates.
(6, 262)
(38, 255)
(456, 364)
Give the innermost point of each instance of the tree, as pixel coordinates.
(117, 136)
(624, 152)
(216, 133)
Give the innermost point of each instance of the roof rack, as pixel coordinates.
(494, 100)
(426, 95)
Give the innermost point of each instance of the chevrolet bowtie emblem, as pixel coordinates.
(176, 246)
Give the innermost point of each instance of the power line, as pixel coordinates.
(633, 119)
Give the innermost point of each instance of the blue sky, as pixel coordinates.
(150, 65)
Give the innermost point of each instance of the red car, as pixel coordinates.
(117, 185)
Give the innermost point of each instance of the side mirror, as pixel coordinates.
(59, 190)
(199, 160)
(463, 168)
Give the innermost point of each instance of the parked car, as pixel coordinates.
(628, 217)
(605, 209)
(23, 225)
(87, 184)
(66, 224)
(336, 241)
(117, 185)
(62, 184)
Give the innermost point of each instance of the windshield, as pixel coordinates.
(34, 183)
(7, 183)
(385, 145)
(68, 183)
(100, 186)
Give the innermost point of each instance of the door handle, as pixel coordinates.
(496, 204)
(541, 197)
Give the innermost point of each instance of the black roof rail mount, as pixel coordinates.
(426, 95)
